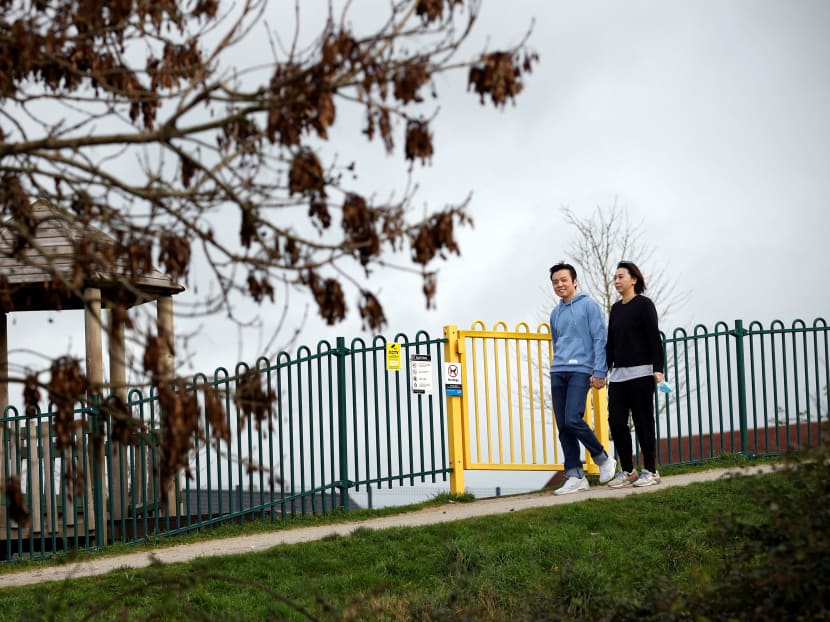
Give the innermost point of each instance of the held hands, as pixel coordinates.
(598, 383)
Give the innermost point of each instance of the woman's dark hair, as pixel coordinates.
(563, 266)
(633, 270)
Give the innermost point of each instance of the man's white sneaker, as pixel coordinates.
(647, 478)
(572, 484)
(606, 470)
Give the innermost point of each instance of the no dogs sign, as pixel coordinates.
(452, 378)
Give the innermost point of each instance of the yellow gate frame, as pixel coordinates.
(510, 425)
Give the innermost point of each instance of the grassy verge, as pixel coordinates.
(256, 526)
(575, 561)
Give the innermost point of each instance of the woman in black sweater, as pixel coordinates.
(634, 354)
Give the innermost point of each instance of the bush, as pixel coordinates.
(773, 569)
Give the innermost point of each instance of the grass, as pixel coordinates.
(724, 461)
(567, 558)
(251, 527)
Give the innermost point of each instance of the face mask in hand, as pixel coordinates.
(664, 387)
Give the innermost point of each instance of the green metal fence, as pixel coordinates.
(744, 389)
(342, 423)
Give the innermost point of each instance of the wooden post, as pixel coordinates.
(118, 388)
(94, 340)
(164, 319)
(36, 498)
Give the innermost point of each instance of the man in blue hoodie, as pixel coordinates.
(578, 331)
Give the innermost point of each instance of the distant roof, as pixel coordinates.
(30, 275)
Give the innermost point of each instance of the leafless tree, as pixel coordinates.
(608, 236)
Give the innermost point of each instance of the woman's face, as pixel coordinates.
(624, 282)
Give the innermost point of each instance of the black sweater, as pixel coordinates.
(633, 335)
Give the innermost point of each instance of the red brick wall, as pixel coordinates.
(761, 440)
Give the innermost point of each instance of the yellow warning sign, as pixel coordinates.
(393, 356)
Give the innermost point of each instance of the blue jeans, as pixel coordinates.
(569, 390)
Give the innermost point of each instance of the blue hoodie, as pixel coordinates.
(578, 331)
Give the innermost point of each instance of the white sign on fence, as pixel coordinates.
(420, 366)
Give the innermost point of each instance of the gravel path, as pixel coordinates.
(261, 542)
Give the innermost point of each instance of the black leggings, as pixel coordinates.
(637, 397)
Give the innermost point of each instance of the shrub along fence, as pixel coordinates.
(344, 420)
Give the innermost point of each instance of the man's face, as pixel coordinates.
(563, 284)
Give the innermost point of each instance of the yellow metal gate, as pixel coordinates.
(503, 419)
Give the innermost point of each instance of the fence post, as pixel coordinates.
(455, 429)
(342, 422)
(739, 334)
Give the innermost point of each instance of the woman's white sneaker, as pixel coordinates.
(623, 479)
(647, 478)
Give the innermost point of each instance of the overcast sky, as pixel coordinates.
(708, 121)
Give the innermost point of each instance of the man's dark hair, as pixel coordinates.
(563, 266)
(633, 270)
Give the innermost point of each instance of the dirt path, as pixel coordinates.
(260, 542)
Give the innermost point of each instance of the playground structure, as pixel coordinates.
(38, 278)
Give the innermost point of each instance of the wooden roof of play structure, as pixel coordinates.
(30, 276)
(28, 283)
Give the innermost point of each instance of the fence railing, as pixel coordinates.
(340, 422)
(744, 388)
(343, 423)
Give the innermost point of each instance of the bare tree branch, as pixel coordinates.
(607, 237)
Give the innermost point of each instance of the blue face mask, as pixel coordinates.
(664, 387)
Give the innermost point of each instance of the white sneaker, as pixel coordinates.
(647, 479)
(572, 484)
(607, 470)
(623, 479)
